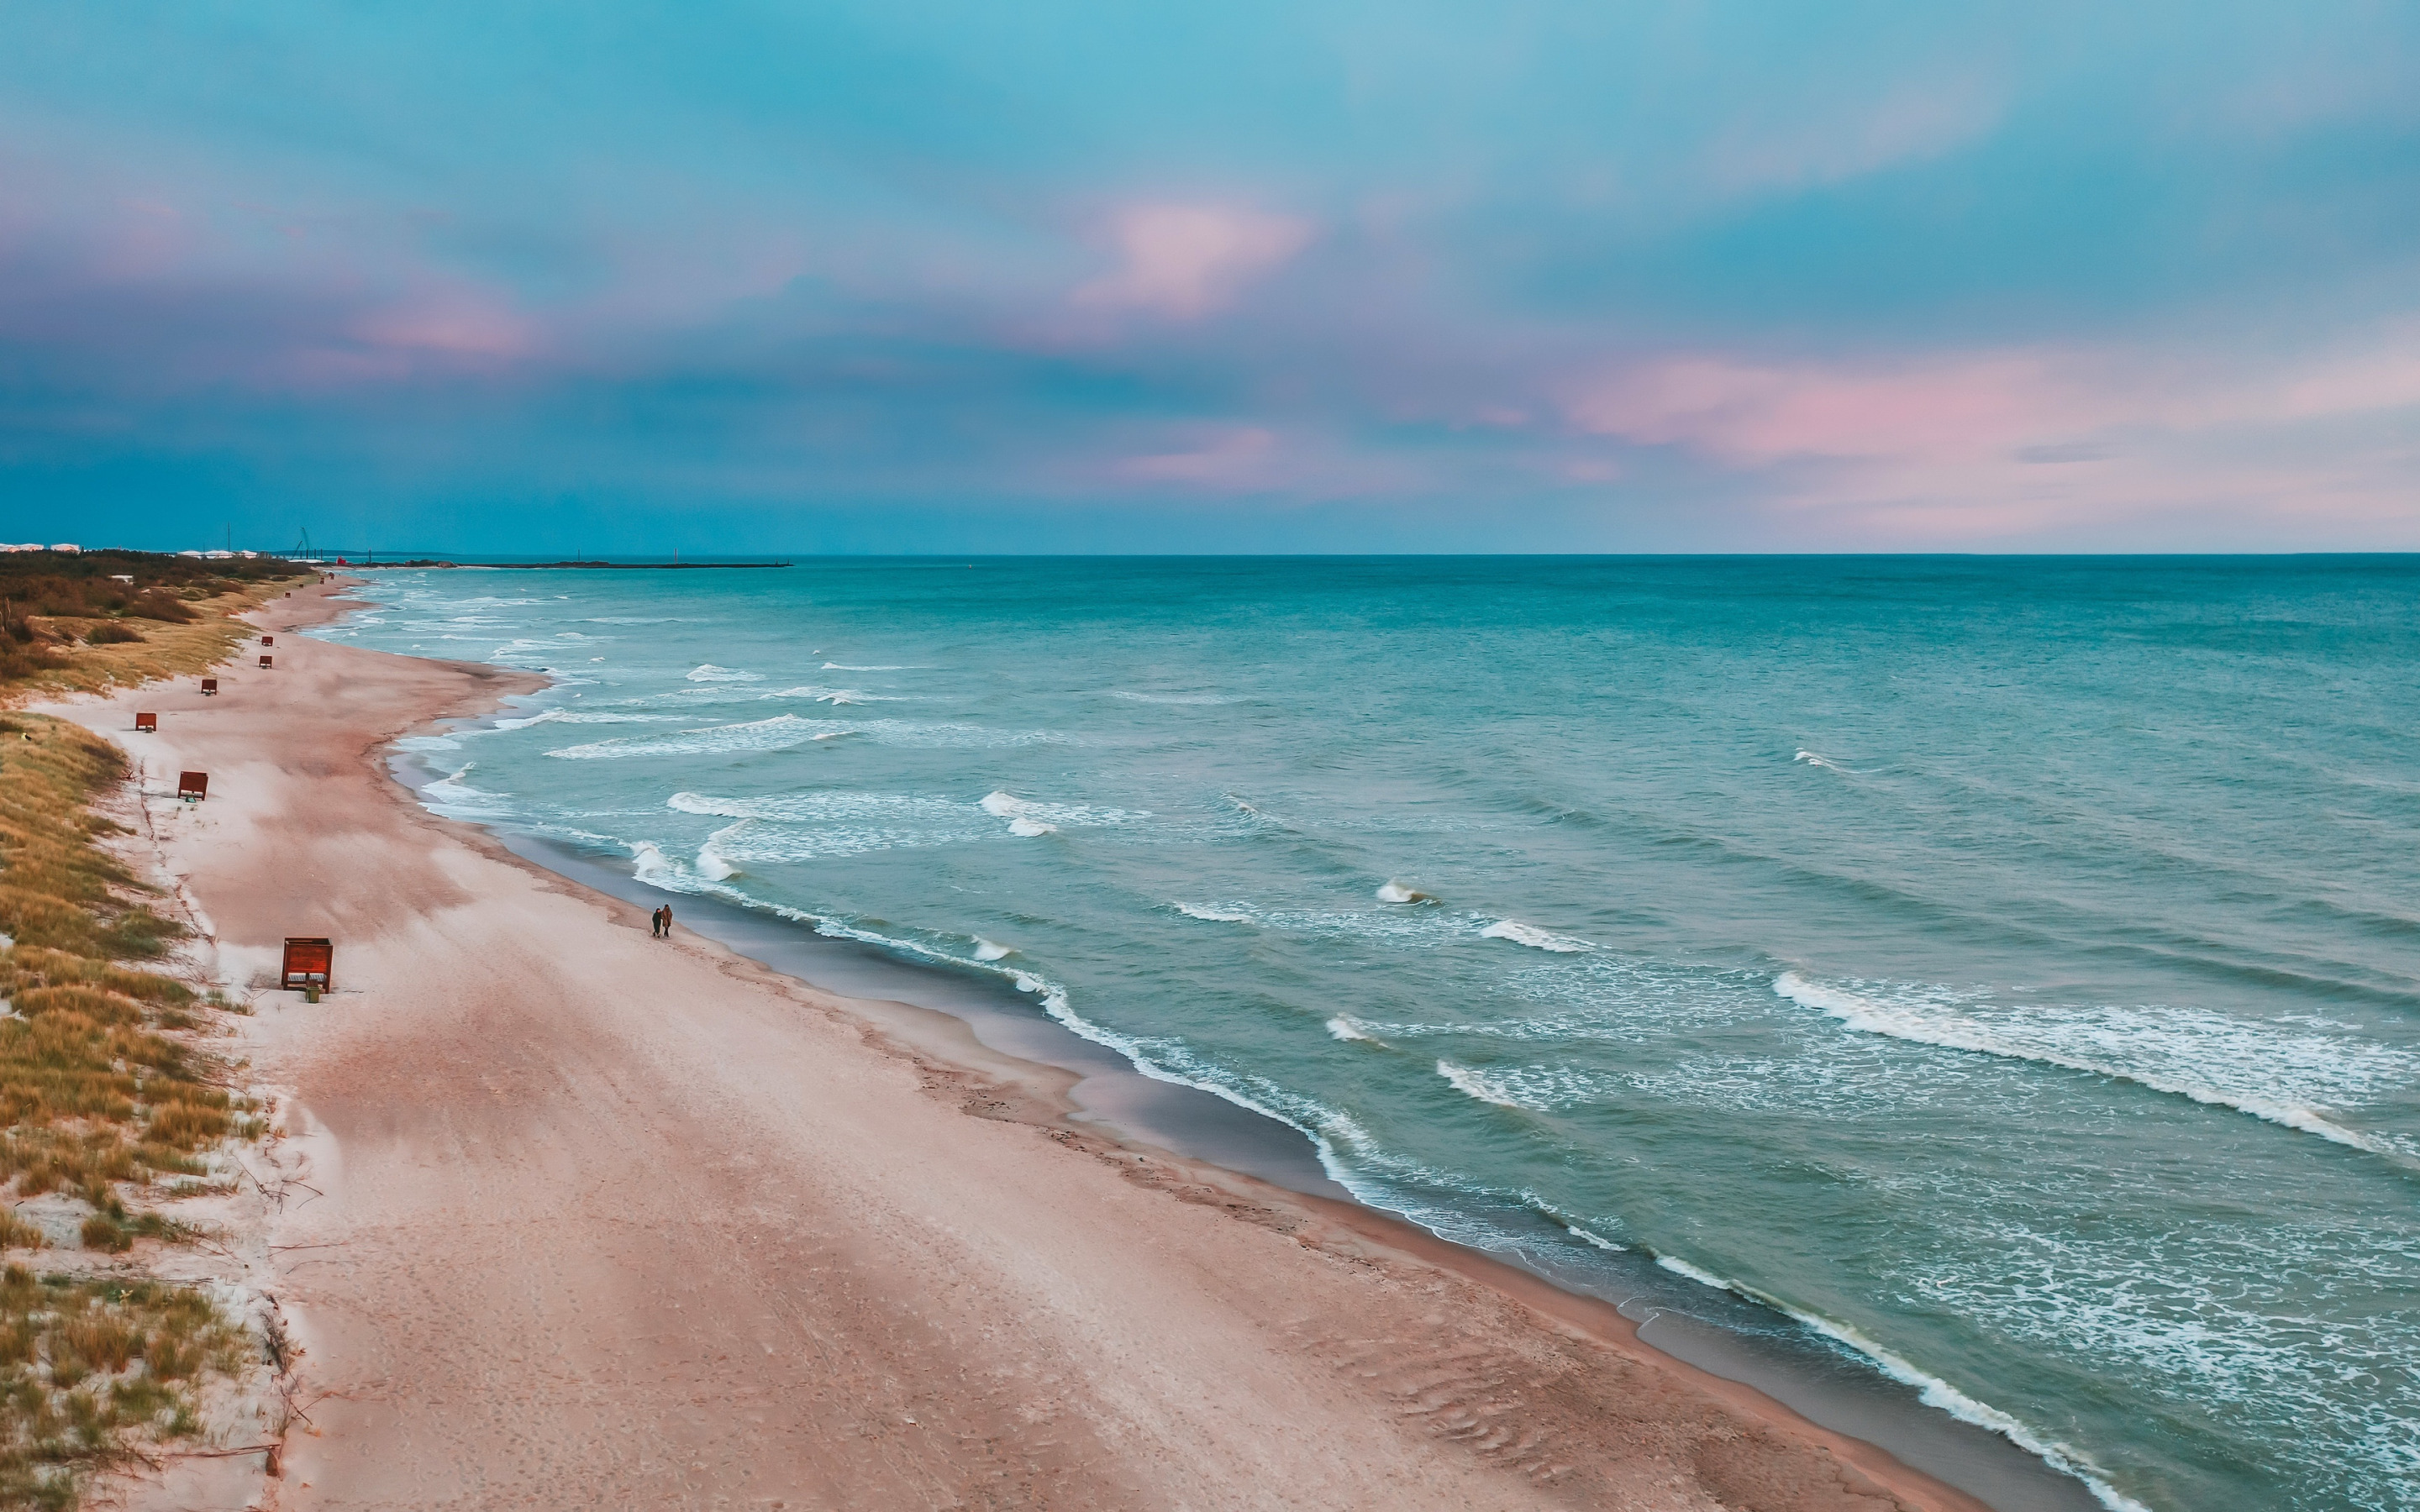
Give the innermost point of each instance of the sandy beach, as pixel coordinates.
(585, 1219)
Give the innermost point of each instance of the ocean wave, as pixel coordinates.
(1933, 1391)
(1342, 1028)
(1392, 892)
(1531, 1089)
(991, 950)
(1829, 765)
(453, 798)
(836, 695)
(1026, 817)
(777, 733)
(2204, 1056)
(787, 730)
(429, 743)
(842, 666)
(823, 807)
(1176, 698)
(712, 862)
(805, 827)
(560, 715)
(709, 673)
(1537, 939)
(1212, 913)
(1476, 1085)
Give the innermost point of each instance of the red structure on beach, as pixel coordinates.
(209, 688)
(307, 965)
(268, 660)
(269, 640)
(192, 786)
(147, 721)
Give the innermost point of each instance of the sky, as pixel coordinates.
(1317, 275)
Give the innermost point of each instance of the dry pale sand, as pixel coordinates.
(610, 1223)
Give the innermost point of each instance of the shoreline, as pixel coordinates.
(1846, 1394)
(1770, 1456)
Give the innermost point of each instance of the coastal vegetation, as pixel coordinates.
(112, 1103)
(81, 622)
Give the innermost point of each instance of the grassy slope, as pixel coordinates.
(106, 1098)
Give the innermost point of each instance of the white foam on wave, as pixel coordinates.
(835, 696)
(1344, 1028)
(577, 717)
(776, 733)
(842, 666)
(2207, 1057)
(1473, 1084)
(1403, 892)
(1537, 939)
(1174, 698)
(650, 864)
(712, 864)
(1028, 818)
(1813, 760)
(453, 798)
(1933, 1391)
(991, 950)
(709, 673)
(1212, 913)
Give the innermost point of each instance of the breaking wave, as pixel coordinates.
(709, 673)
(1935, 1391)
(1213, 913)
(1403, 892)
(1537, 939)
(2204, 1056)
(1476, 1085)
(786, 730)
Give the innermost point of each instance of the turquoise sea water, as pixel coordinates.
(2008, 968)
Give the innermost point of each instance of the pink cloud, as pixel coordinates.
(451, 324)
(1995, 445)
(1186, 260)
(1750, 414)
(1241, 458)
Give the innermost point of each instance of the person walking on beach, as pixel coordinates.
(663, 920)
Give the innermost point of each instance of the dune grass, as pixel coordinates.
(92, 1369)
(103, 1100)
(86, 623)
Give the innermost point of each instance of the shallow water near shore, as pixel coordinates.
(2004, 969)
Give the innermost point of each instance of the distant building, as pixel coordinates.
(29, 546)
(67, 547)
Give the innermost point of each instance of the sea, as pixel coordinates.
(1997, 977)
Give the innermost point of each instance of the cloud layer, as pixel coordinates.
(1571, 277)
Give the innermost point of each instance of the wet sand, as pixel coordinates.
(595, 1220)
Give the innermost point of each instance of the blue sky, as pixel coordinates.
(1310, 276)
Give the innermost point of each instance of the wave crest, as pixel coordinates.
(2203, 1057)
(1537, 939)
